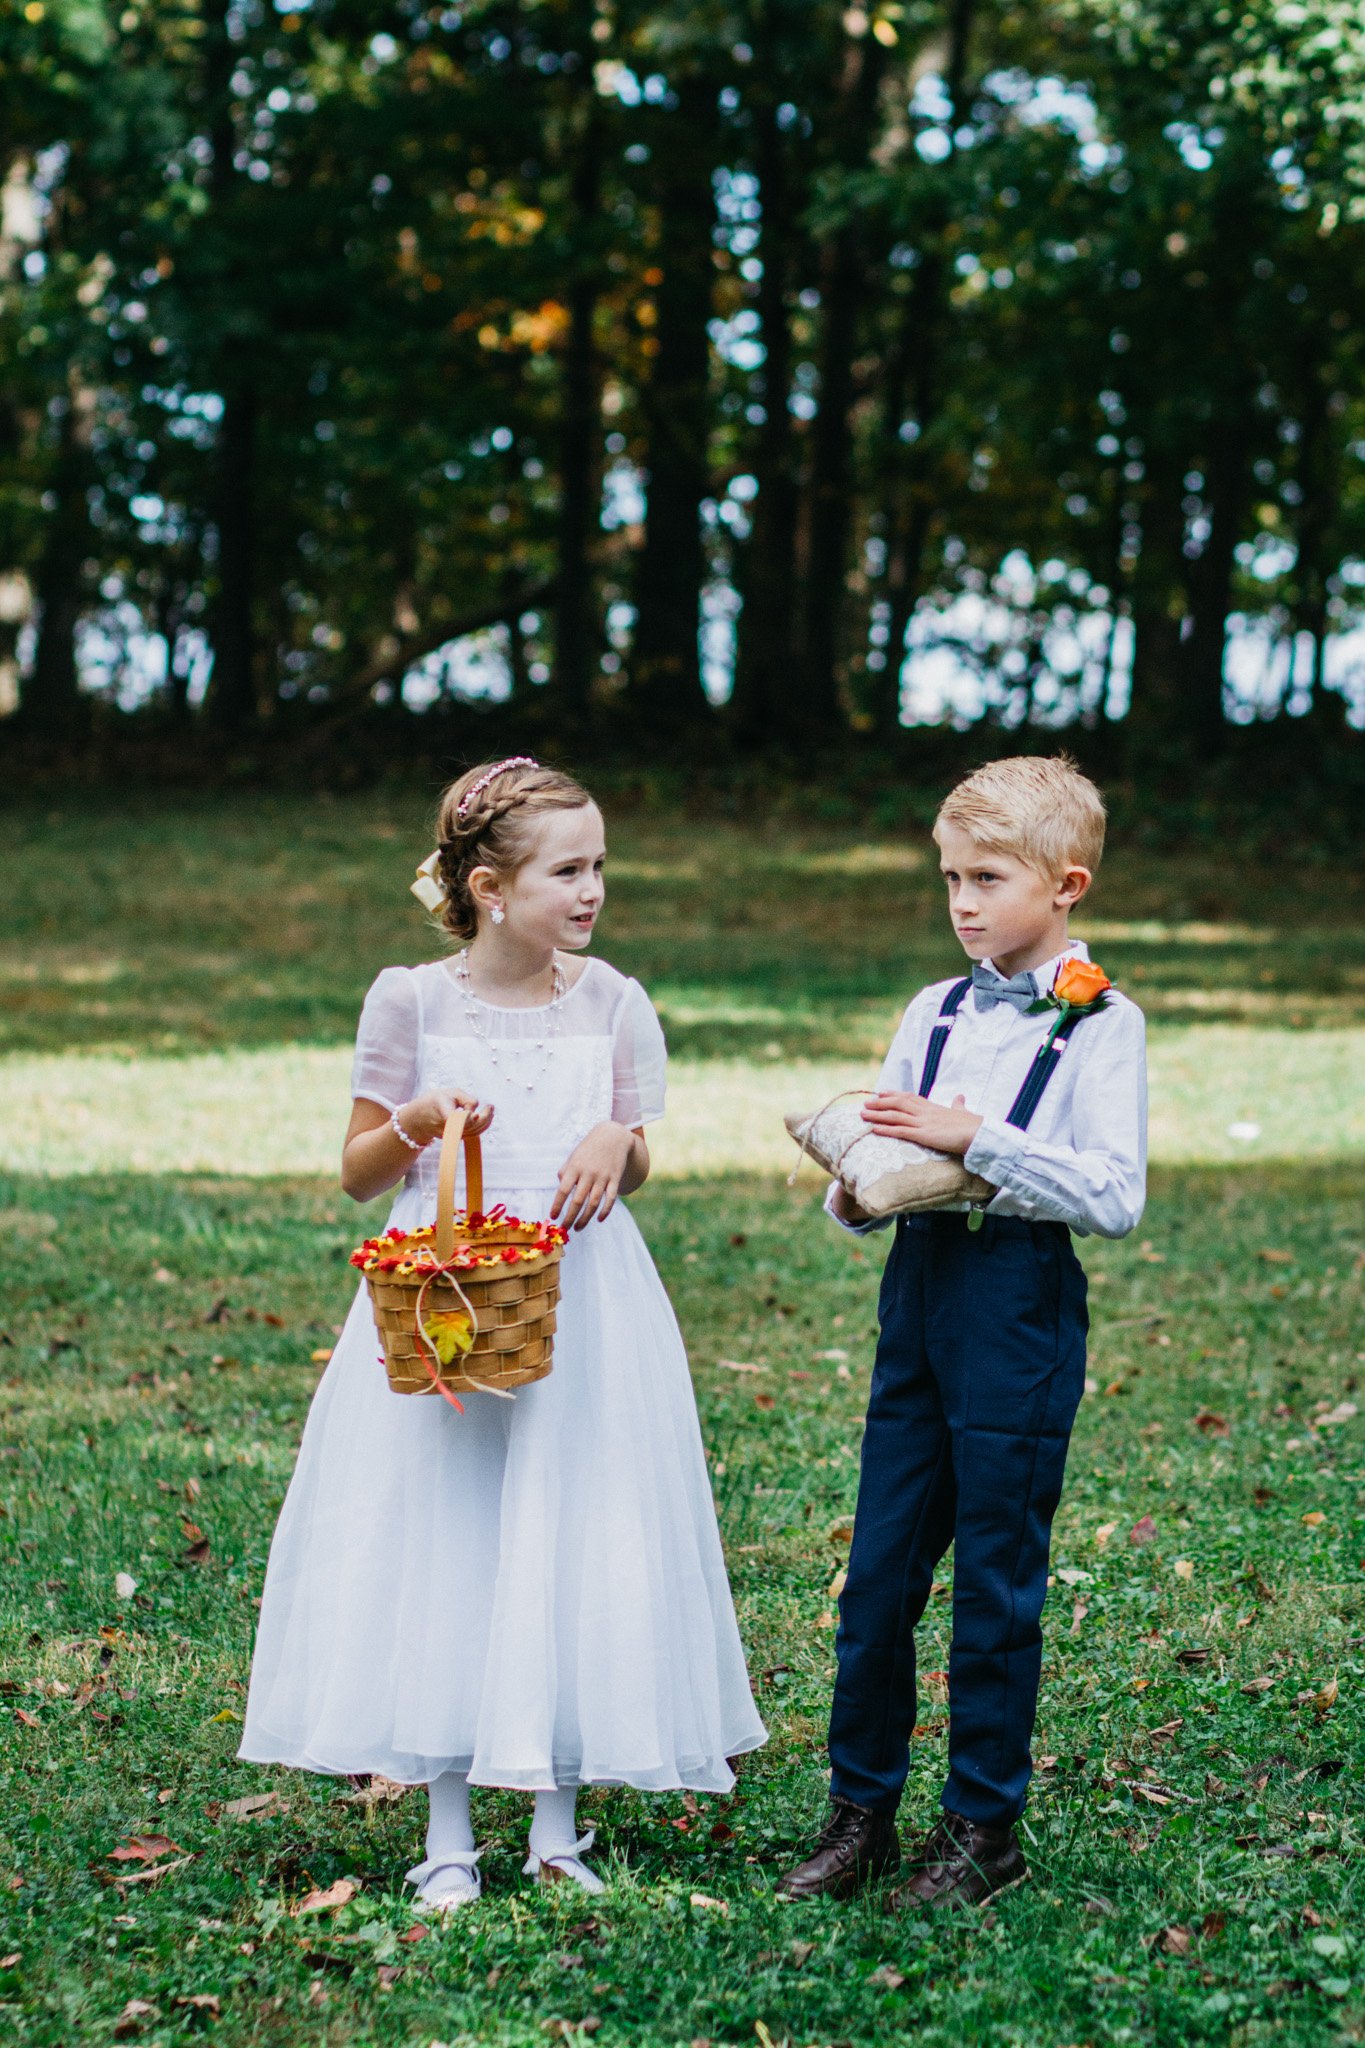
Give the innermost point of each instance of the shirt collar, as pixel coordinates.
(1044, 976)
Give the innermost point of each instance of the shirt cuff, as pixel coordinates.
(994, 1151)
(853, 1229)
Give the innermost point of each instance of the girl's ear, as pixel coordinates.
(485, 888)
(1072, 886)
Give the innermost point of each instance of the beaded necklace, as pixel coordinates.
(560, 987)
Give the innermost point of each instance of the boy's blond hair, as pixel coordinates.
(1044, 812)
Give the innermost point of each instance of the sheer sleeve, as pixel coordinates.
(384, 1069)
(639, 1058)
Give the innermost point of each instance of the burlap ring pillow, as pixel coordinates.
(885, 1176)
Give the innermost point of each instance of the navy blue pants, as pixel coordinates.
(980, 1368)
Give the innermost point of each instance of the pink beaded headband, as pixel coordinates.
(428, 888)
(477, 788)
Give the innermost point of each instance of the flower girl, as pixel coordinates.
(529, 1594)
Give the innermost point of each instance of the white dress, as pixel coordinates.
(533, 1591)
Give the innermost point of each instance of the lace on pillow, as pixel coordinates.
(804, 1140)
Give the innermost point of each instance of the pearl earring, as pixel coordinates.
(498, 913)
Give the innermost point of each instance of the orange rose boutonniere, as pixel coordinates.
(1080, 987)
(1080, 983)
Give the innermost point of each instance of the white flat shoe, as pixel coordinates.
(446, 1883)
(564, 1866)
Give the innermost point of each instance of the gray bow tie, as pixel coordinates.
(990, 988)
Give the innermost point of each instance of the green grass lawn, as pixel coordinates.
(1194, 1831)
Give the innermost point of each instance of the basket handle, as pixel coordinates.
(455, 1134)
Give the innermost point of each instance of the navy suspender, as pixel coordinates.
(938, 1037)
(1040, 1073)
(1044, 1065)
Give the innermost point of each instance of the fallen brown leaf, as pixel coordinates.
(379, 1792)
(387, 1973)
(255, 1806)
(765, 1401)
(153, 1874)
(1175, 1940)
(417, 1932)
(1276, 1258)
(888, 1976)
(143, 1849)
(1142, 1531)
(318, 1901)
(1326, 1698)
(199, 2001)
(706, 1904)
(1212, 1424)
(130, 2020)
(1314, 1520)
(1343, 1412)
(25, 1719)
(1255, 1685)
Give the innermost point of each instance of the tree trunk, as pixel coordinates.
(665, 681)
(232, 691)
(830, 515)
(233, 694)
(914, 374)
(1155, 720)
(1210, 586)
(577, 628)
(764, 654)
(52, 704)
(910, 512)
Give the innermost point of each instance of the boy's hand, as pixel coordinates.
(894, 1115)
(845, 1208)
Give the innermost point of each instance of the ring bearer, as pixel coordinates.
(1032, 1070)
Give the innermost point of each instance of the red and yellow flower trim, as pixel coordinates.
(411, 1253)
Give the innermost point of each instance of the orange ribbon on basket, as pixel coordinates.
(446, 1270)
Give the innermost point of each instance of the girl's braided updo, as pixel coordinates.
(496, 831)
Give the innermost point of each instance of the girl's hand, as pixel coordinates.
(425, 1117)
(894, 1115)
(590, 1178)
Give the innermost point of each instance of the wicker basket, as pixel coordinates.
(510, 1307)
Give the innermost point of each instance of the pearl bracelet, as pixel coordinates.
(399, 1132)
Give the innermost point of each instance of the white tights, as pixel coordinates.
(450, 1831)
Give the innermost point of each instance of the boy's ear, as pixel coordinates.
(1071, 886)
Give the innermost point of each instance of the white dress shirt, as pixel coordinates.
(1083, 1159)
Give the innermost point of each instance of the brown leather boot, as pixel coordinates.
(855, 1846)
(960, 1864)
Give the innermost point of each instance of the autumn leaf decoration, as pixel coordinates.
(450, 1332)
